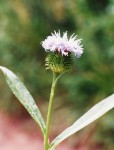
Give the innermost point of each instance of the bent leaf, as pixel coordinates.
(23, 95)
(94, 113)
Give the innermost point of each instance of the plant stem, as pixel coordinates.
(46, 140)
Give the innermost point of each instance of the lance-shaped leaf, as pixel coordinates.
(23, 95)
(94, 113)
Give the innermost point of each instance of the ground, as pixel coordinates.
(21, 134)
(24, 134)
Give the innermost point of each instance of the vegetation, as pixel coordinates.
(24, 24)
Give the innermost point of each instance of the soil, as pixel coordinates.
(18, 134)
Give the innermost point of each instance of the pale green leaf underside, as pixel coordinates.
(23, 95)
(94, 113)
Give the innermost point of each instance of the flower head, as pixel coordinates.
(61, 44)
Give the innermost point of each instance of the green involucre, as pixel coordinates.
(58, 63)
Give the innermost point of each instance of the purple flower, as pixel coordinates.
(61, 44)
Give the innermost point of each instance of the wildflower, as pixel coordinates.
(60, 50)
(63, 45)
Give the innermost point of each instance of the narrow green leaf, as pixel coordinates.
(94, 113)
(23, 95)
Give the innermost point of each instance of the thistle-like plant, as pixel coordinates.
(59, 60)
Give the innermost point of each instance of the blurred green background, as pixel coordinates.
(25, 23)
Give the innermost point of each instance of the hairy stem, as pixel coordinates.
(46, 140)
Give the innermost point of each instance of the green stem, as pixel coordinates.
(46, 140)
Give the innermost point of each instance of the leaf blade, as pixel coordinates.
(23, 95)
(94, 113)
